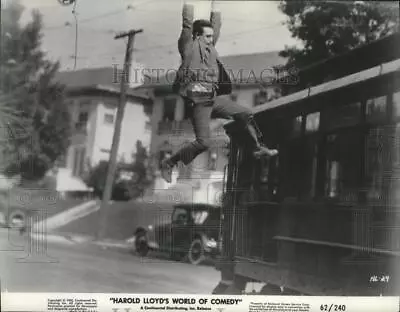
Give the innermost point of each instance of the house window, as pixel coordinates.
(79, 161)
(108, 119)
(82, 121)
(169, 109)
(82, 161)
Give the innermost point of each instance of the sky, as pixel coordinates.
(247, 27)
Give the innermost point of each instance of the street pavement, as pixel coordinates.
(28, 266)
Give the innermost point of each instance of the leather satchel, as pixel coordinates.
(199, 92)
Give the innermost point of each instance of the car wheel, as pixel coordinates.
(196, 252)
(141, 245)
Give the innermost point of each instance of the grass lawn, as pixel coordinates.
(122, 219)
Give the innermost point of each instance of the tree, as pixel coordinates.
(330, 28)
(28, 79)
(142, 173)
(96, 178)
(125, 187)
(8, 135)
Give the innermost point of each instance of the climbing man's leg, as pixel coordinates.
(227, 109)
(201, 115)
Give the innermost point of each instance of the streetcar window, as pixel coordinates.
(376, 108)
(396, 104)
(268, 179)
(297, 124)
(343, 153)
(395, 163)
(342, 116)
(300, 159)
(312, 122)
(375, 158)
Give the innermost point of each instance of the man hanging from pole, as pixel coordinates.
(199, 80)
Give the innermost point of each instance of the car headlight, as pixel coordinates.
(150, 227)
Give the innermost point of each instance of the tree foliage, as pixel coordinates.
(130, 180)
(42, 127)
(329, 28)
(96, 178)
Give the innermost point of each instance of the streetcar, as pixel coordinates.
(322, 218)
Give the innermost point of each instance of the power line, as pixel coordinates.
(223, 40)
(89, 19)
(101, 16)
(234, 36)
(104, 15)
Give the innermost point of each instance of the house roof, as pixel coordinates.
(102, 80)
(242, 68)
(87, 77)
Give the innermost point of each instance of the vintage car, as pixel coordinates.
(191, 231)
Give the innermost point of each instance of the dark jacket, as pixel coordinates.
(186, 46)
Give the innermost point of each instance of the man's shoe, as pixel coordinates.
(166, 171)
(263, 151)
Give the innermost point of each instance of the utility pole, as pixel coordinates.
(117, 130)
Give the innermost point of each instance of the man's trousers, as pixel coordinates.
(202, 113)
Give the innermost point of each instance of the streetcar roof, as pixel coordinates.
(364, 75)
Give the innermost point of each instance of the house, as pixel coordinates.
(254, 78)
(92, 98)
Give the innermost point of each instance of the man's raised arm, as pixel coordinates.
(215, 19)
(187, 25)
